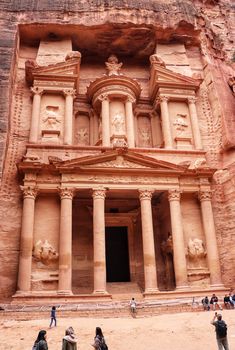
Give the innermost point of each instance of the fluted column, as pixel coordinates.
(68, 120)
(210, 235)
(194, 122)
(166, 125)
(26, 239)
(34, 125)
(150, 272)
(130, 121)
(105, 120)
(65, 245)
(180, 264)
(99, 241)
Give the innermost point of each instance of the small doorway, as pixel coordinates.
(117, 254)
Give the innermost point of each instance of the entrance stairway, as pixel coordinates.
(124, 290)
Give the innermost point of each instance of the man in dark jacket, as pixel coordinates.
(221, 332)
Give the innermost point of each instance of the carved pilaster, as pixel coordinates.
(69, 92)
(36, 90)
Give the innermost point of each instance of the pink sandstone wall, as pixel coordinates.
(204, 32)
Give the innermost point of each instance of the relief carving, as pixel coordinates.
(118, 123)
(145, 137)
(196, 251)
(44, 252)
(180, 123)
(82, 136)
(51, 119)
(167, 245)
(113, 67)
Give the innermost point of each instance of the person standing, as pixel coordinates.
(133, 306)
(99, 341)
(69, 341)
(221, 332)
(53, 316)
(41, 343)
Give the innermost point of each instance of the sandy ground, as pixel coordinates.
(184, 331)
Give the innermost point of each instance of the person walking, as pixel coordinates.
(221, 332)
(69, 341)
(53, 316)
(99, 341)
(41, 343)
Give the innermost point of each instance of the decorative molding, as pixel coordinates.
(205, 195)
(66, 192)
(99, 193)
(29, 191)
(174, 194)
(145, 194)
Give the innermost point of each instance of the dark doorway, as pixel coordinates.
(117, 254)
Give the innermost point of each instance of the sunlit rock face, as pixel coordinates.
(126, 96)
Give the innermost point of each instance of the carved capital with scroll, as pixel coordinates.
(174, 194)
(145, 194)
(66, 192)
(205, 195)
(69, 92)
(29, 191)
(99, 193)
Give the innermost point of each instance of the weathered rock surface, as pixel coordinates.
(132, 28)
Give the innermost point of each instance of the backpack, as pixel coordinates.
(103, 345)
(221, 329)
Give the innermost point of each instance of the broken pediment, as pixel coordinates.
(161, 77)
(67, 70)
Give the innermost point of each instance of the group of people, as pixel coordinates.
(213, 303)
(69, 341)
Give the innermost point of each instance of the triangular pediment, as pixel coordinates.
(114, 160)
(58, 71)
(163, 74)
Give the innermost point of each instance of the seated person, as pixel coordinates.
(227, 303)
(214, 302)
(206, 304)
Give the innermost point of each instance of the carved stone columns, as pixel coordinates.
(68, 121)
(33, 135)
(99, 241)
(105, 120)
(210, 235)
(150, 272)
(26, 240)
(130, 122)
(178, 240)
(166, 125)
(194, 121)
(65, 245)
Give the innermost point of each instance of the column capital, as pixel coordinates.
(205, 195)
(162, 99)
(192, 100)
(103, 97)
(174, 194)
(145, 194)
(36, 90)
(130, 99)
(99, 193)
(66, 192)
(69, 92)
(29, 191)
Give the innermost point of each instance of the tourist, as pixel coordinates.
(53, 316)
(41, 343)
(99, 341)
(232, 299)
(227, 303)
(214, 302)
(133, 306)
(69, 341)
(221, 332)
(206, 304)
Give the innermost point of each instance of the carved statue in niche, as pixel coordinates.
(180, 123)
(145, 136)
(167, 246)
(112, 65)
(45, 252)
(118, 123)
(196, 249)
(82, 136)
(51, 118)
